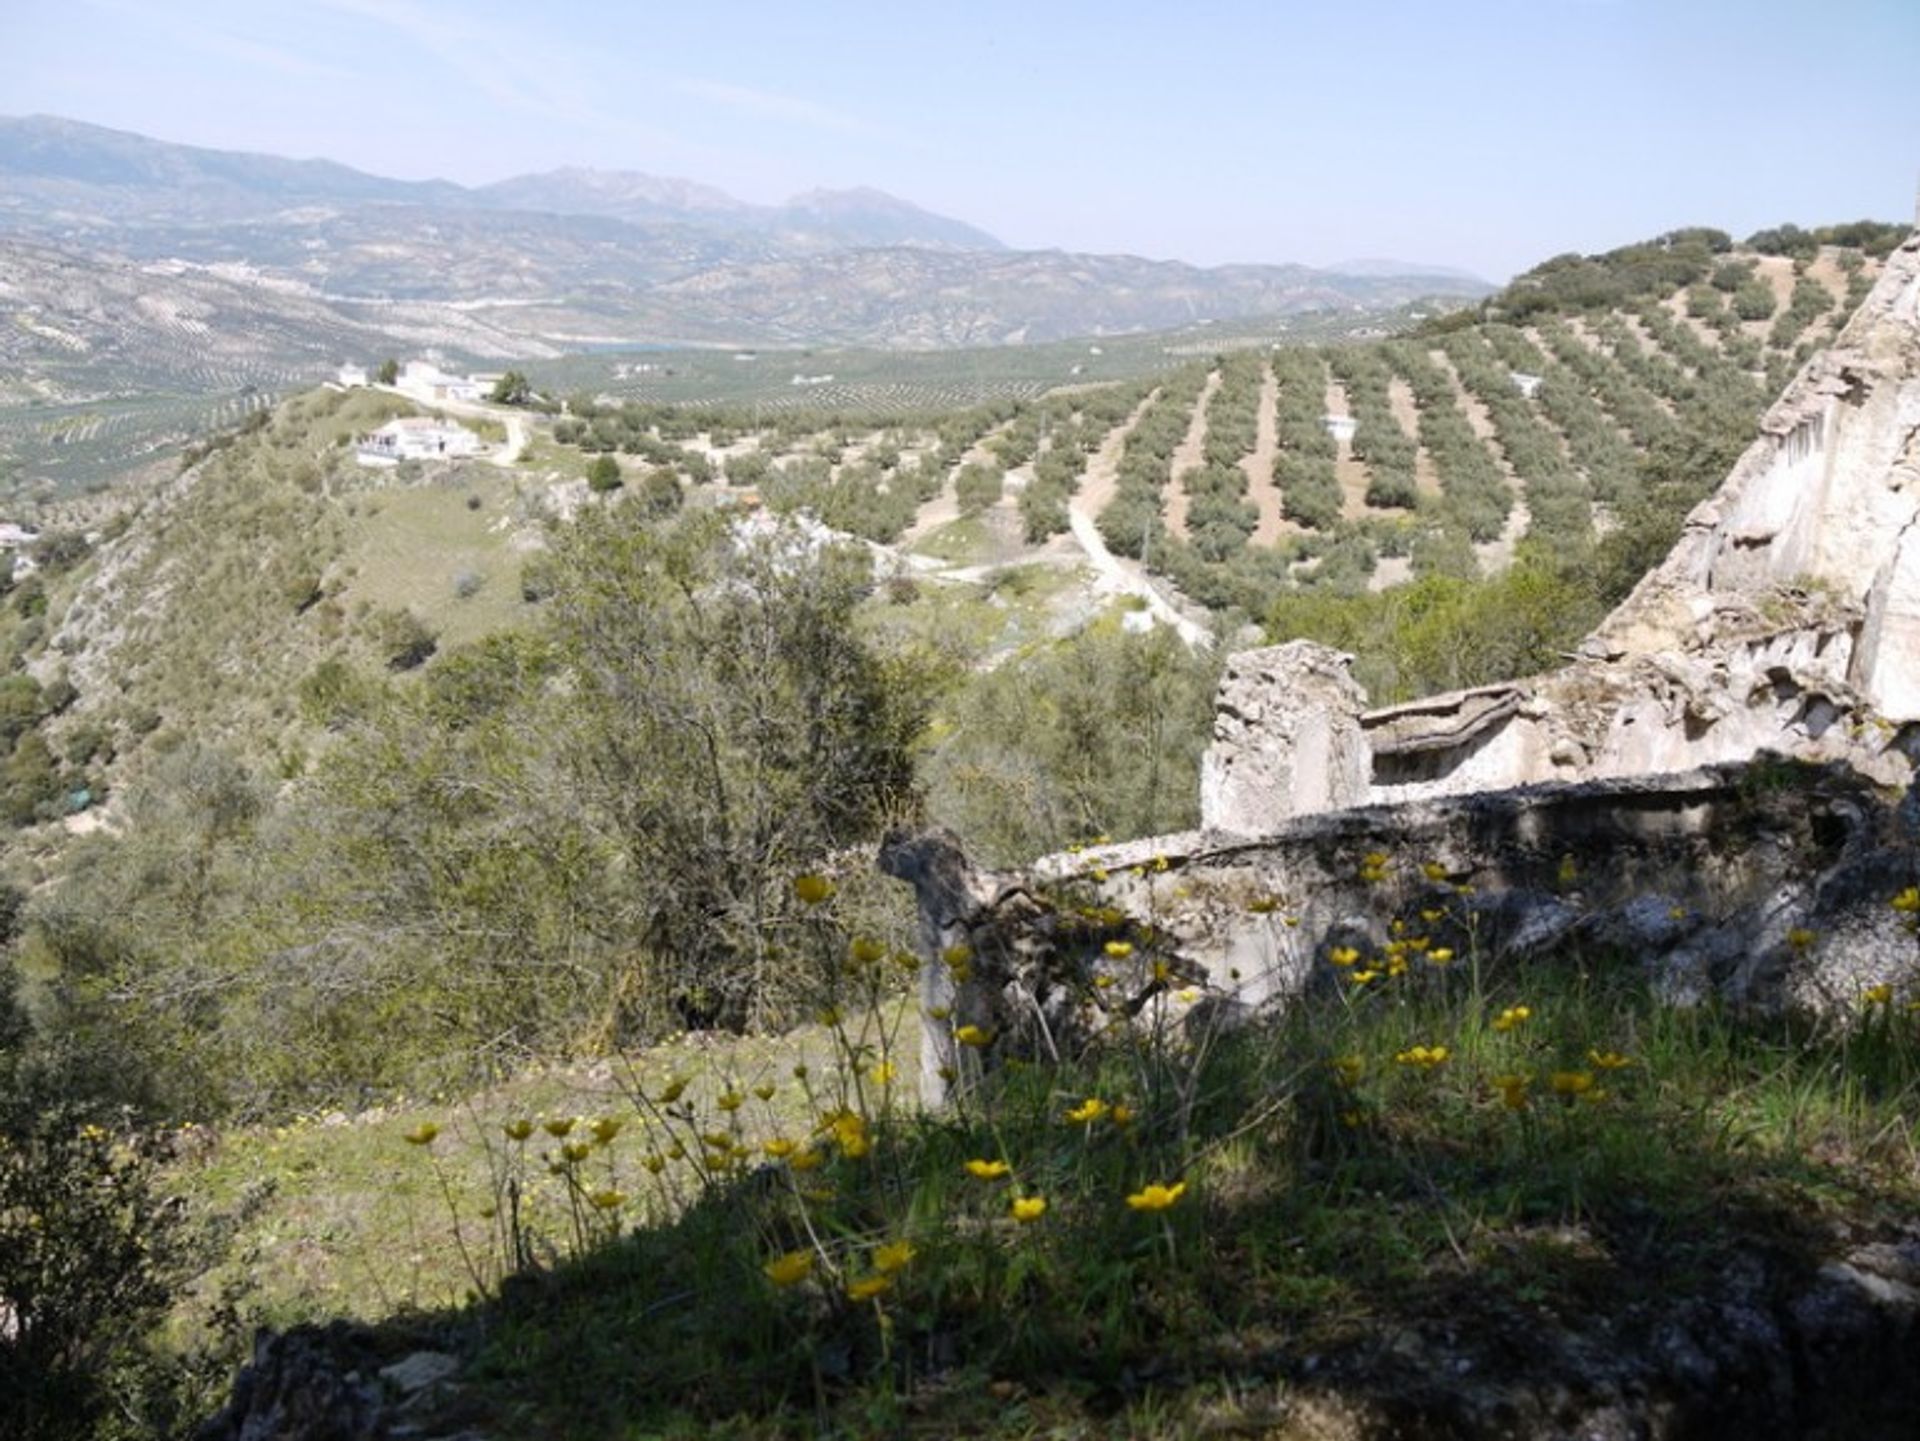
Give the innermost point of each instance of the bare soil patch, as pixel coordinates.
(1190, 454)
(1259, 466)
(1426, 478)
(1352, 474)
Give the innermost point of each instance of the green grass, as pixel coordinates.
(1336, 1190)
(412, 547)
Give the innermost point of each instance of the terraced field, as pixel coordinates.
(1245, 471)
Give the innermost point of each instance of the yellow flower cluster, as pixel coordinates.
(1425, 1058)
(1512, 1018)
(1156, 1197)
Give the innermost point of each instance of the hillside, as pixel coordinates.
(397, 856)
(1227, 483)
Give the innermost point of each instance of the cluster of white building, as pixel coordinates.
(425, 381)
(421, 437)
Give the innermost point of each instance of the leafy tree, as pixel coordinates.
(733, 729)
(511, 389)
(1028, 765)
(603, 475)
(660, 493)
(388, 372)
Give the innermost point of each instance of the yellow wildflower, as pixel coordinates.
(865, 1288)
(806, 1159)
(1343, 955)
(790, 1269)
(574, 1152)
(1361, 978)
(1609, 1060)
(764, 1090)
(1162, 972)
(957, 955)
(882, 1073)
(557, 1126)
(938, 1013)
(1800, 938)
(1156, 1197)
(1290, 920)
(812, 889)
(730, 1100)
(1118, 950)
(1908, 901)
(1513, 1091)
(1440, 955)
(1099, 876)
(1512, 1017)
(1088, 1111)
(1349, 1069)
(607, 1200)
(1028, 1208)
(518, 1130)
(1161, 864)
(1122, 1115)
(973, 1036)
(1878, 995)
(1263, 905)
(719, 1140)
(605, 1128)
(987, 1170)
(422, 1134)
(892, 1257)
(865, 951)
(1571, 1083)
(655, 1162)
(673, 1091)
(1103, 981)
(1426, 1057)
(778, 1147)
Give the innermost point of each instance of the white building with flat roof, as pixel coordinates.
(423, 380)
(416, 437)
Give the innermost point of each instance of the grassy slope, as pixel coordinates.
(1337, 1198)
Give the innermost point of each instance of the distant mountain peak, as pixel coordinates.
(888, 219)
(609, 191)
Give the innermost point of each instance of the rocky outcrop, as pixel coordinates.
(339, 1382)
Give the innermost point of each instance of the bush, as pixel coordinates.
(603, 475)
(401, 639)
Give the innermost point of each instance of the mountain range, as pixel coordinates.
(152, 286)
(622, 256)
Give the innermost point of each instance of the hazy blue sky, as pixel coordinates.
(1482, 133)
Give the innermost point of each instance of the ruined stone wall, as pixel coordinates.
(1786, 619)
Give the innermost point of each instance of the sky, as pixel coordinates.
(1483, 134)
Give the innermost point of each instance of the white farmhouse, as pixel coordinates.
(1524, 383)
(352, 375)
(425, 381)
(1340, 427)
(416, 437)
